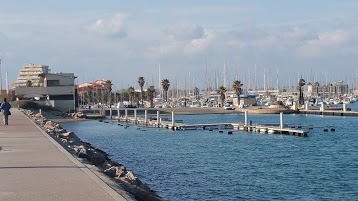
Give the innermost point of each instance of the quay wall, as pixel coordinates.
(330, 113)
(189, 111)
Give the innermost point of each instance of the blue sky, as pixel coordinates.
(191, 40)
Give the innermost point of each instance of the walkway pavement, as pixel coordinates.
(35, 167)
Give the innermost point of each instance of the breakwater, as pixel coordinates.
(87, 153)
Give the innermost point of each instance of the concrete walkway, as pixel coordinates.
(34, 167)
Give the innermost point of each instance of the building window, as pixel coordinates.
(61, 97)
(53, 83)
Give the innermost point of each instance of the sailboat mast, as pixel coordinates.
(356, 80)
(159, 84)
(289, 84)
(217, 81)
(189, 85)
(264, 79)
(326, 79)
(194, 95)
(206, 79)
(277, 86)
(224, 83)
(255, 78)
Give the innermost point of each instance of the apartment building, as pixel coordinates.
(54, 89)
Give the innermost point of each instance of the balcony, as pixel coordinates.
(61, 90)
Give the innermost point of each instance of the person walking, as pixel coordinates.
(5, 107)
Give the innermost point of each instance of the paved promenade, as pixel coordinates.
(34, 167)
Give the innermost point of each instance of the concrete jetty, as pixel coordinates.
(35, 167)
(330, 113)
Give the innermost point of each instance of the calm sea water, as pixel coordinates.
(208, 165)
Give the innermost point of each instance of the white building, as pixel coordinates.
(53, 89)
(29, 75)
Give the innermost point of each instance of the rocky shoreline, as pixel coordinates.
(130, 186)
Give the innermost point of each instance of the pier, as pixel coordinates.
(323, 110)
(330, 113)
(173, 125)
(33, 166)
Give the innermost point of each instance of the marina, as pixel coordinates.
(179, 101)
(235, 161)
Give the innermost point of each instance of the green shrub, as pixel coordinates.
(30, 105)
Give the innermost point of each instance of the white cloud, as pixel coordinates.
(185, 32)
(152, 10)
(337, 37)
(200, 44)
(113, 26)
(3, 38)
(329, 43)
(267, 42)
(182, 41)
(299, 34)
(214, 9)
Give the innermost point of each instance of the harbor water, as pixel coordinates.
(208, 165)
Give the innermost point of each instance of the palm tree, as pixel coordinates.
(123, 95)
(28, 83)
(221, 91)
(150, 95)
(317, 88)
(136, 98)
(165, 85)
(88, 92)
(131, 93)
(141, 82)
(108, 84)
(236, 87)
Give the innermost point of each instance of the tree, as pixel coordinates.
(317, 88)
(88, 93)
(108, 84)
(28, 83)
(236, 87)
(221, 91)
(141, 82)
(165, 85)
(131, 93)
(136, 98)
(301, 83)
(150, 95)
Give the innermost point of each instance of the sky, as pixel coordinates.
(193, 43)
